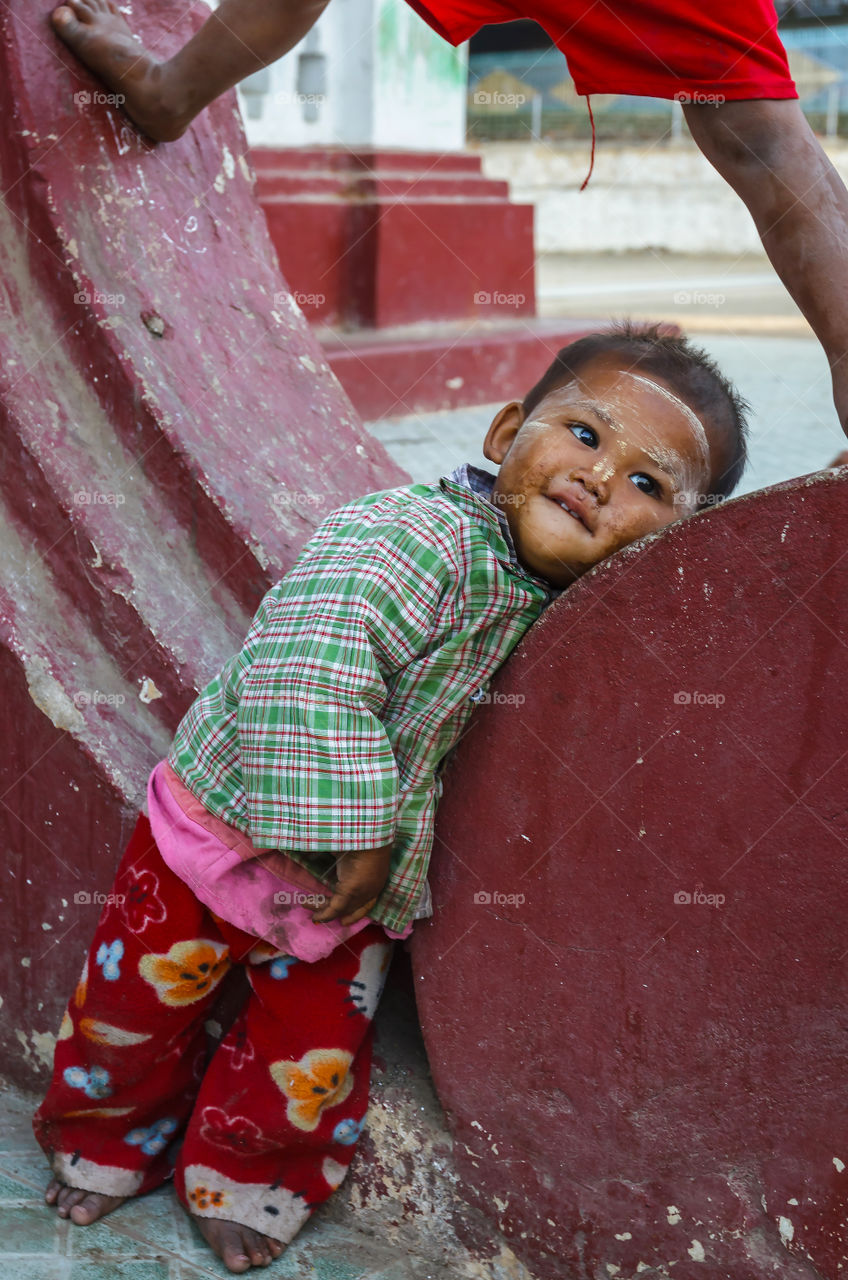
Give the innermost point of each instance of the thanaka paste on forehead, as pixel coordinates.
(680, 471)
(692, 418)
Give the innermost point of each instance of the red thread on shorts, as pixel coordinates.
(592, 161)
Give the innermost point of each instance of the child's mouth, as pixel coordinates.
(570, 510)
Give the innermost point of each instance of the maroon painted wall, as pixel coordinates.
(170, 434)
(635, 985)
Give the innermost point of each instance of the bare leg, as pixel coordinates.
(772, 159)
(163, 98)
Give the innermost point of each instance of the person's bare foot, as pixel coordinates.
(238, 1247)
(96, 32)
(82, 1207)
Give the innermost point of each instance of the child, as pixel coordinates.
(309, 763)
(723, 61)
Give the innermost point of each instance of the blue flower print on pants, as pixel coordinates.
(347, 1131)
(154, 1139)
(108, 957)
(280, 967)
(95, 1082)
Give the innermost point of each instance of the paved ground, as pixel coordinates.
(716, 294)
(394, 1218)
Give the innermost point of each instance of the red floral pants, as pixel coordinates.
(269, 1127)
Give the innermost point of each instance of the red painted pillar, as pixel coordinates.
(634, 988)
(171, 433)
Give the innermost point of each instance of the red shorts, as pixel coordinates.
(721, 49)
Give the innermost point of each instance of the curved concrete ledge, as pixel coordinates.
(633, 990)
(170, 435)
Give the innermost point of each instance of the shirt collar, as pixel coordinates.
(471, 487)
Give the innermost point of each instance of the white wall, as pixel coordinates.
(389, 81)
(657, 197)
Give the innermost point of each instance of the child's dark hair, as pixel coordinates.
(692, 374)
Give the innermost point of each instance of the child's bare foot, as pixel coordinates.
(99, 36)
(238, 1247)
(82, 1207)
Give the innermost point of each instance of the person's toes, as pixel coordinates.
(235, 1258)
(260, 1255)
(68, 1198)
(53, 1189)
(64, 18)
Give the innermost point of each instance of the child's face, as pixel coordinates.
(618, 447)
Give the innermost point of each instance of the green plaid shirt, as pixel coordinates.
(361, 667)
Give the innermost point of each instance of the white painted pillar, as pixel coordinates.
(371, 73)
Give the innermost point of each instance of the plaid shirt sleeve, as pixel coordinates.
(361, 603)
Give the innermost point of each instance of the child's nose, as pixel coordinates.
(595, 479)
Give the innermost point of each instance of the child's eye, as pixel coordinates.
(576, 427)
(650, 487)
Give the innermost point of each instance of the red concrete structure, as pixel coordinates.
(633, 990)
(417, 272)
(171, 433)
(634, 1078)
(374, 239)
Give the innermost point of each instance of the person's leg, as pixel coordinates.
(770, 156)
(283, 1101)
(131, 1046)
(163, 97)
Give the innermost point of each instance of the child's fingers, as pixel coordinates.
(338, 903)
(361, 874)
(357, 915)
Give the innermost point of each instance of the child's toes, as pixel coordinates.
(53, 1189)
(258, 1253)
(68, 1198)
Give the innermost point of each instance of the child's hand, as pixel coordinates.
(360, 875)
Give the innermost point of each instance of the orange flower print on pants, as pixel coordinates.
(187, 972)
(206, 1199)
(319, 1081)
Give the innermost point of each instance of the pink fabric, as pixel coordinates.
(235, 880)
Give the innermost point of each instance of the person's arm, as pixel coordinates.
(319, 773)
